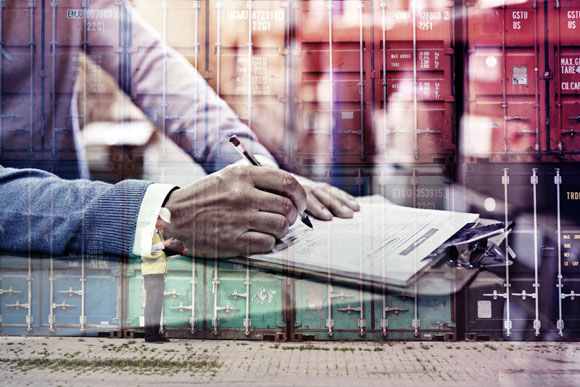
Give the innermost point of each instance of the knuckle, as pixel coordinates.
(237, 171)
(287, 207)
(289, 182)
(283, 226)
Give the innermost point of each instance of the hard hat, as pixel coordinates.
(165, 214)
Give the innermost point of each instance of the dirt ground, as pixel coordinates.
(59, 361)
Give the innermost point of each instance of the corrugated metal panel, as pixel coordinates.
(20, 289)
(503, 99)
(80, 296)
(229, 301)
(359, 313)
(414, 111)
(332, 78)
(248, 60)
(564, 86)
(70, 296)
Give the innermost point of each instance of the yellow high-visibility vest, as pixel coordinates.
(155, 263)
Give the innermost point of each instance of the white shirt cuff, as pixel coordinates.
(148, 212)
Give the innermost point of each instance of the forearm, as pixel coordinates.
(189, 110)
(49, 215)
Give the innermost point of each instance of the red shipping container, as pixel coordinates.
(413, 117)
(333, 81)
(502, 119)
(489, 23)
(565, 85)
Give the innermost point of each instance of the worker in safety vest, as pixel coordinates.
(153, 268)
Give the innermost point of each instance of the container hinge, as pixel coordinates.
(193, 323)
(384, 325)
(362, 324)
(330, 326)
(282, 324)
(416, 323)
(215, 323)
(63, 305)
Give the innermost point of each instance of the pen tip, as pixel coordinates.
(306, 221)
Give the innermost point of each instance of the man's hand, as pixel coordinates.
(324, 200)
(169, 242)
(175, 246)
(238, 210)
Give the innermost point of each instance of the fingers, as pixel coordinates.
(252, 242)
(280, 182)
(337, 201)
(347, 199)
(268, 223)
(315, 207)
(276, 204)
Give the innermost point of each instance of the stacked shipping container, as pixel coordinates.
(338, 90)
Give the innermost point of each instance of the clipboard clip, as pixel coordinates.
(471, 248)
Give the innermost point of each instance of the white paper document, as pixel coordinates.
(382, 243)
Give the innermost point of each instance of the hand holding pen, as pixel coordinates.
(254, 161)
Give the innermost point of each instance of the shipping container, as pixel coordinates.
(213, 299)
(502, 67)
(20, 290)
(331, 73)
(248, 60)
(66, 296)
(327, 311)
(563, 79)
(414, 109)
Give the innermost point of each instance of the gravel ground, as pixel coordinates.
(58, 361)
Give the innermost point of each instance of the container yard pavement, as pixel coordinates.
(58, 361)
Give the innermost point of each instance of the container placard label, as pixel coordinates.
(520, 75)
(570, 248)
(570, 74)
(483, 309)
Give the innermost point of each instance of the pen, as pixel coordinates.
(254, 161)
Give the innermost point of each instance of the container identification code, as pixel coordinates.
(261, 19)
